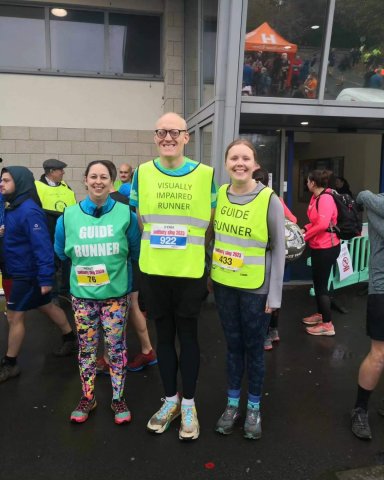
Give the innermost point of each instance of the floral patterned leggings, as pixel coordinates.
(110, 315)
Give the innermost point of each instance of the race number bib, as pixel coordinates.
(93, 276)
(173, 237)
(229, 259)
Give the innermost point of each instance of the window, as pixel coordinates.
(134, 44)
(268, 146)
(206, 144)
(283, 48)
(191, 60)
(356, 58)
(190, 147)
(83, 42)
(77, 41)
(18, 25)
(200, 31)
(209, 49)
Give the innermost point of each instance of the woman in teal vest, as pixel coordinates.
(98, 235)
(247, 272)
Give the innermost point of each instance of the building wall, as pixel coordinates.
(30, 146)
(69, 102)
(79, 119)
(173, 21)
(362, 156)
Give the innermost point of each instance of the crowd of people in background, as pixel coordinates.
(279, 74)
(275, 74)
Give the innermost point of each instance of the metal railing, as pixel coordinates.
(359, 251)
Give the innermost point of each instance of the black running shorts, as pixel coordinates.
(375, 316)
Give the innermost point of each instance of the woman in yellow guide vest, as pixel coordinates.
(247, 272)
(98, 235)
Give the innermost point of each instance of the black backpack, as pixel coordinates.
(348, 219)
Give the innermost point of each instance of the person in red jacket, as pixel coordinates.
(325, 248)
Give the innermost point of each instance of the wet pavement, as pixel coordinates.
(309, 391)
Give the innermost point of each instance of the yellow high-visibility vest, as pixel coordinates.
(55, 198)
(175, 212)
(241, 240)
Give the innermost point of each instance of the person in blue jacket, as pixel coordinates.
(125, 189)
(2, 214)
(29, 261)
(6, 282)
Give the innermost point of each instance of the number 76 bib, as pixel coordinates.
(92, 276)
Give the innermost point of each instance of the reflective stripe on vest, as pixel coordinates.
(98, 249)
(195, 222)
(163, 199)
(191, 239)
(240, 241)
(55, 198)
(239, 252)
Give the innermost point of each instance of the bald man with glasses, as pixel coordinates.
(175, 199)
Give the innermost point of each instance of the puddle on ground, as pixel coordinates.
(341, 352)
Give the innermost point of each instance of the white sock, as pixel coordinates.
(188, 402)
(173, 399)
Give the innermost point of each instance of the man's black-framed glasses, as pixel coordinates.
(174, 133)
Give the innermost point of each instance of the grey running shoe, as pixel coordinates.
(67, 348)
(8, 371)
(252, 425)
(161, 420)
(360, 426)
(268, 343)
(227, 420)
(274, 335)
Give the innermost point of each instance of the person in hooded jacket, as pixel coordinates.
(2, 266)
(29, 261)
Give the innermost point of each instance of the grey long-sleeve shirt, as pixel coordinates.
(275, 255)
(374, 205)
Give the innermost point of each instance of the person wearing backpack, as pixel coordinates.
(325, 248)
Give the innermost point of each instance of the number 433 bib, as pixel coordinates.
(228, 259)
